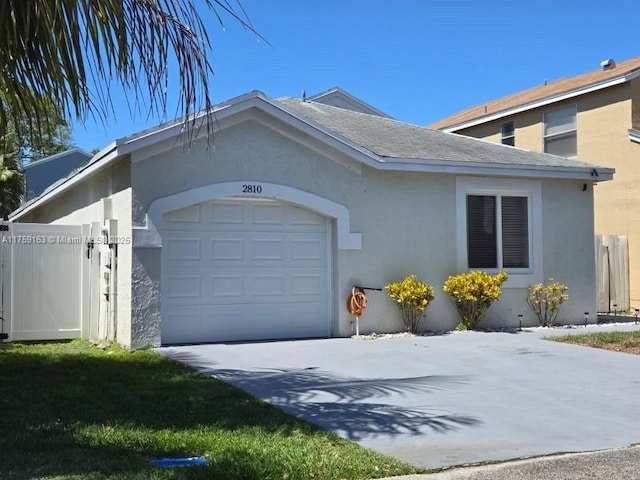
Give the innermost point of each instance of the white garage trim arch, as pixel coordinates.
(149, 237)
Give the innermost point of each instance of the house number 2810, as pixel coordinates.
(251, 188)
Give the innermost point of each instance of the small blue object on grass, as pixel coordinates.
(180, 462)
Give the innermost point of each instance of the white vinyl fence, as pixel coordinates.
(612, 272)
(46, 281)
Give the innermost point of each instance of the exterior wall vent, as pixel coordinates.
(608, 64)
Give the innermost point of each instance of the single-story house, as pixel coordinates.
(262, 233)
(43, 173)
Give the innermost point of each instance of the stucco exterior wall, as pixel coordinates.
(569, 247)
(407, 221)
(85, 204)
(491, 131)
(603, 120)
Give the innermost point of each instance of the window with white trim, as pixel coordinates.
(497, 231)
(499, 227)
(560, 131)
(508, 133)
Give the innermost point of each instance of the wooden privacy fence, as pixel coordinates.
(612, 273)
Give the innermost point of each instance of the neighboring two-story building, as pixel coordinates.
(594, 117)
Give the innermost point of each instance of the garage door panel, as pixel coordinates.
(269, 285)
(267, 249)
(228, 287)
(184, 215)
(267, 214)
(183, 286)
(302, 217)
(306, 249)
(225, 213)
(225, 249)
(185, 248)
(308, 284)
(182, 326)
(263, 322)
(246, 270)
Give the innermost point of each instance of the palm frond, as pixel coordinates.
(70, 51)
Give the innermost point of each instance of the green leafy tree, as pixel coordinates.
(11, 184)
(32, 141)
(24, 142)
(70, 52)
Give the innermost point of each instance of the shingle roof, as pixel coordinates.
(397, 140)
(556, 87)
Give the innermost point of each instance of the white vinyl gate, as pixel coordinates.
(45, 273)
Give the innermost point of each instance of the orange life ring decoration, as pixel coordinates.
(356, 304)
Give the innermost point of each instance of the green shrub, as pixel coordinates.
(473, 293)
(545, 301)
(413, 298)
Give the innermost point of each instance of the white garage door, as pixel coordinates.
(240, 269)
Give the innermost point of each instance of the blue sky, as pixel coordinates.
(417, 60)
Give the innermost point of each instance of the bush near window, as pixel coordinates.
(545, 301)
(473, 293)
(413, 298)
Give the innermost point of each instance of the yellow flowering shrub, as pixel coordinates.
(473, 293)
(545, 301)
(413, 298)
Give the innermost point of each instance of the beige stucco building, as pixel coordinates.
(263, 234)
(594, 117)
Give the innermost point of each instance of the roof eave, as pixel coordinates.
(626, 77)
(592, 173)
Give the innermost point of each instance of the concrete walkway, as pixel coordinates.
(445, 400)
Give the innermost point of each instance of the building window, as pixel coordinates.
(497, 231)
(560, 136)
(499, 227)
(509, 133)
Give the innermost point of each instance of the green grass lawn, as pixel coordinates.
(628, 342)
(70, 411)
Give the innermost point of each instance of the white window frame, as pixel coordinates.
(504, 137)
(565, 133)
(532, 189)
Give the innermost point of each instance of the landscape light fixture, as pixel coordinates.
(586, 318)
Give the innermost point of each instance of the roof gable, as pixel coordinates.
(547, 93)
(337, 97)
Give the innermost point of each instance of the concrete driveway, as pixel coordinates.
(444, 400)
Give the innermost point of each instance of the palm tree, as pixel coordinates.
(70, 51)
